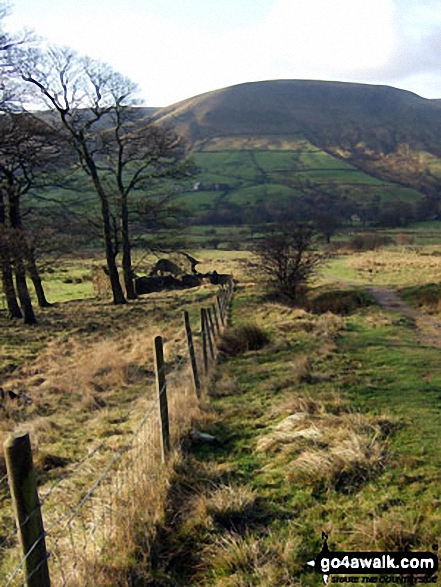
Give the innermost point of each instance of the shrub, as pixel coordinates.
(239, 340)
(288, 258)
(339, 302)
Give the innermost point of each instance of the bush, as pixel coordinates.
(288, 258)
(239, 340)
(341, 302)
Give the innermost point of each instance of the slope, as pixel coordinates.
(336, 134)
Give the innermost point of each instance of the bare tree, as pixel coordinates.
(12, 243)
(137, 153)
(288, 258)
(95, 106)
(29, 153)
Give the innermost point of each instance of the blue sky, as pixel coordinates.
(175, 49)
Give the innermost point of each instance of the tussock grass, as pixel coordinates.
(395, 530)
(249, 559)
(317, 446)
(225, 385)
(342, 302)
(243, 338)
(232, 507)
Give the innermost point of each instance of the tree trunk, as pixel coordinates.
(6, 267)
(9, 289)
(127, 256)
(18, 246)
(36, 279)
(115, 284)
(23, 292)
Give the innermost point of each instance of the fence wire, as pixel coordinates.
(89, 543)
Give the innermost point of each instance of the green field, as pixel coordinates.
(243, 177)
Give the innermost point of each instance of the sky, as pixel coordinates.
(176, 49)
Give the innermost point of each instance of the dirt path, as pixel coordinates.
(428, 327)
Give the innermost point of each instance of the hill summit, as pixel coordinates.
(325, 109)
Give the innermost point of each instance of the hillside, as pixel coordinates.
(325, 112)
(263, 150)
(262, 141)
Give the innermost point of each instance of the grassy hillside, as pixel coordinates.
(247, 176)
(332, 425)
(289, 107)
(337, 134)
(257, 146)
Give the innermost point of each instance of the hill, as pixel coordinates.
(262, 140)
(323, 111)
(268, 150)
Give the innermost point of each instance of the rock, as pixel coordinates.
(199, 436)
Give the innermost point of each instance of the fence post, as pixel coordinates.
(208, 332)
(216, 321)
(23, 485)
(211, 323)
(204, 341)
(194, 366)
(219, 302)
(161, 388)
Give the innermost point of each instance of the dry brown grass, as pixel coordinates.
(248, 559)
(397, 529)
(91, 382)
(243, 338)
(396, 267)
(227, 506)
(314, 445)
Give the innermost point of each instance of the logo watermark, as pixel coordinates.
(413, 567)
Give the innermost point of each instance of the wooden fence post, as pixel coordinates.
(204, 341)
(161, 388)
(23, 485)
(219, 303)
(194, 366)
(216, 321)
(208, 332)
(211, 323)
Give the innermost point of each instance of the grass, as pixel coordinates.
(391, 266)
(87, 368)
(249, 170)
(332, 426)
(246, 337)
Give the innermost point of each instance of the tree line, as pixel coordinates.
(60, 110)
(328, 207)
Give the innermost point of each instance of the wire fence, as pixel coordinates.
(90, 540)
